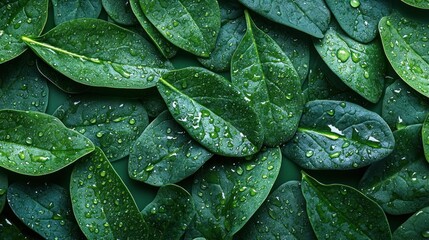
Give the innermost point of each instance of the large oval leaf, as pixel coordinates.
(66, 10)
(424, 4)
(170, 213)
(283, 215)
(339, 135)
(18, 18)
(37, 144)
(400, 182)
(311, 17)
(113, 124)
(359, 66)
(97, 53)
(102, 204)
(120, 11)
(45, 208)
(165, 153)
(269, 82)
(212, 111)
(189, 24)
(4, 183)
(341, 212)
(227, 193)
(405, 45)
(416, 227)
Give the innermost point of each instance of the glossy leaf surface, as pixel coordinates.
(66, 10)
(424, 4)
(4, 183)
(120, 11)
(9, 230)
(416, 227)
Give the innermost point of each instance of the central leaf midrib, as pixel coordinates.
(193, 20)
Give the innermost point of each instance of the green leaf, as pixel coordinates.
(18, 18)
(399, 183)
(228, 192)
(425, 137)
(341, 212)
(120, 11)
(339, 135)
(416, 227)
(405, 45)
(21, 85)
(269, 82)
(403, 106)
(45, 208)
(311, 17)
(66, 10)
(359, 66)
(190, 25)
(359, 18)
(113, 124)
(170, 213)
(283, 215)
(424, 4)
(230, 10)
(164, 46)
(9, 230)
(102, 204)
(212, 111)
(4, 183)
(165, 153)
(153, 102)
(36, 144)
(97, 53)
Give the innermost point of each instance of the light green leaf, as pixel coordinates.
(66, 10)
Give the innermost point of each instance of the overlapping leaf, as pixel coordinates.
(66, 10)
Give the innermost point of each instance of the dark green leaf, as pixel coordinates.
(66, 10)
(339, 135)
(311, 17)
(228, 192)
(170, 213)
(37, 144)
(269, 82)
(230, 10)
(425, 137)
(4, 183)
(153, 102)
(283, 215)
(400, 182)
(189, 24)
(359, 66)
(45, 208)
(416, 227)
(424, 4)
(212, 111)
(9, 231)
(120, 11)
(22, 86)
(18, 18)
(113, 124)
(165, 153)
(97, 53)
(102, 204)
(341, 212)
(359, 18)
(405, 45)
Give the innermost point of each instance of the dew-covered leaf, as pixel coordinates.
(66, 10)
(341, 212)
(359, 18)
(35, 143)
(311, 17)
(45, 208)
(4, 183)
(189, 24)
(212, 111)
(98, 53)
(9, 230)
(339, 135)
(359, 66)
(102, 204)
(229, 10)
(424, 4)
(269, 82)
(18, 18)
(283, 215)
(405, 43)
(22, 87)
(120, 11)
(165, 153)
(400, 182)
(170, 213)
(416, 227)
(228, 192)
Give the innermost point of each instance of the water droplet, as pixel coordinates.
(354, 3)
(425, 234)
(21, 155)
(309, 153)
(57, 216)
(99, 134)
(355, 57)
(119, 69)
(366, 74)
(331, 112)
(2, 191)
(253, 192)
(149, 168)
(28, 140)
(39, 158)
(103, 173)
(132, 121)
(335, 155)
(343, 54)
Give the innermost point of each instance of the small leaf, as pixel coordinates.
(102, 204)
(97, 53)
(66, 10)
(45, 208)
(18, 18)
(211, 111)
(4, 183)
(416, 227)
(424, 4)
(37, 144)
(170, 213)
(341, 212)
(405, 45)
(188, 24)
(165, 153)
(339, 135)
(9, 230)
(120, 11)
